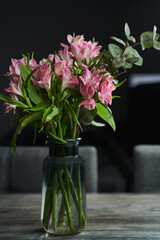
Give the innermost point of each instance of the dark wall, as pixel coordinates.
(40, 26)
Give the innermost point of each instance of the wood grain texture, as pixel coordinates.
(110, 216)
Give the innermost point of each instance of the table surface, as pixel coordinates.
(110, 216)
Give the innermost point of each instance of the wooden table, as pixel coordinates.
(110, 216)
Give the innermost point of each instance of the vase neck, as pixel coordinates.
(70, 148)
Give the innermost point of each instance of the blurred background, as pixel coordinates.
(40, 26)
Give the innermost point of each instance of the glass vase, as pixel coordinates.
(63, 209)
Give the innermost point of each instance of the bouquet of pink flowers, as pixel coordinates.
(69, 88)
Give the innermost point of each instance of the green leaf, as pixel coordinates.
(46, 112)
(97, 124)
(132, 39)
(116, 97)
(13, 101)
(38, 107)
(156, 45)
(115, 50)
(24, 71)
(35, 132)
(118, 40)
(30, 75)
(31, 117)
(55, 137)
(54, 112)
(99, 56)
(105, 114)
(33, 94)
(14, 138)
(86, 115)
(127, 30)
(146, 39)
(73, 37)
(72, 91)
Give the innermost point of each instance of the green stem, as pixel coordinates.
(53, 130)
(61, 215)
(66, 202)
(60, 127)
(79, 196)
(75, 197)
(54, 201)
(48, 203)
(67, 184)
(75, 123)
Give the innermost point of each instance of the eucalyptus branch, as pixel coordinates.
(121, 73)
(136, 44)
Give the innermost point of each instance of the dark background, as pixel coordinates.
(40, 26)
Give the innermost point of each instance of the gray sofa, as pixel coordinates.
(146, 168)
(22, 172)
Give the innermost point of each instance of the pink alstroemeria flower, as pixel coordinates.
(83, 50)
(77, 39)
(15, 86)
(43, 76)
(90, 78)
(66, 76)
(89, 104)
(15, 67)
(10, 107)
(66, 55)
(51, 57)
(106, 89)
(59, 65)
(33, 64)
(87, 91)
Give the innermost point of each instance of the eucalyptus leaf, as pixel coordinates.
(118, 40)
(115, 49)
(132, 39)
(146, 39)
(130, 52)
(154, 32)
(106, 115)
(156, 45)
(127, 30)
(132, 60)
(118, 61)
(127, 65)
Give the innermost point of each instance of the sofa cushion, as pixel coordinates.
(4, 169)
